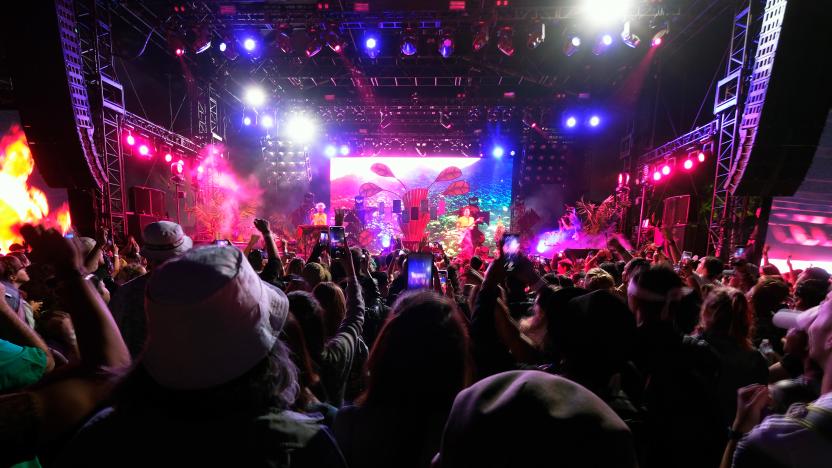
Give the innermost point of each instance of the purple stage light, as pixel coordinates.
(594, 121)
(571, 122)
(344, 150)
(249, 44)
(330, 151)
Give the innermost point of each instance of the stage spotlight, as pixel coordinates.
(228, 48)
(223, 46)
(605, 12)
(344, 150)
(409, 44)
(688, 165)
(284, 42)
(255, 96)
(571, 46)
(330, 151)
(657, 176)
(168, 157)
(571, 121)
(200, 169)
(498, 151)
(179, 51)
(131, 140)
(701, 156)
(249, 44)
(300, 129)
(144, 150)
(314, 45)
(480, 36)
(334, 40)
(666, 170)
(537, 34)
(371, 47)
(201, 39)
(658, 38)
(601, 45)
(246, 121)
(266, 121)
(512, 153)
(594, 121)
(446, 44)
(505, 41)
(628, 38)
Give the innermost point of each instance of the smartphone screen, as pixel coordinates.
(324, 238)
(419, 270)
(740, 252)
(336, 239)
(443, 276)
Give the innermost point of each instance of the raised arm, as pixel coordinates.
(274, 267)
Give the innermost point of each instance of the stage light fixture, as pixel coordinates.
(658, 38)
(131, 140)
(512, 153)
(628, 38)
(266, 121)
(228, 48)
(255, 96)
(505, 41)
(446, 44)
(594, 121)
(314, 45)
(200, 38)
(657, 176)
(537, 34)
(409, 44)
(246, 121)
(605, 12)
(573, 43)
(666, 169)
(223, 46)
(144, 150)
(480, 36)
(571, 121)
(688, 164)
(200, 169)
(344, 150)
(330, 151)
(300, 129)
(179, 52)
(701, 156)
(602, 44)
(168, 157)
(334, 40)
(284, 41)
(385, 238)
(372, 47)
(249, 44)
(498, 151)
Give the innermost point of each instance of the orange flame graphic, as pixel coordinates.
(21, 203)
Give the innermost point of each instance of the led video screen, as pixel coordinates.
(451, 198)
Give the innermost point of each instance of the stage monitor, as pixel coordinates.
(446, 184)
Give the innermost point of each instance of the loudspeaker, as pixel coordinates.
(433, 213)
(158, 206)
(414, 212)
(148, 201)
(405, 216)
(397, 206)
(676, 210)
(136, 223)
(51, 97)
(791, 111)
(423, 206)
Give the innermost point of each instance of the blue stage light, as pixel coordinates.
(249, 44)
(266, 121)
(246, 121)
(594, 121)
(371, 43)
(497, 152)
(344, 150)
(330, 151)
(571, 122)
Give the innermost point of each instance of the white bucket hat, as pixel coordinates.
(164, 240)
(210, 318)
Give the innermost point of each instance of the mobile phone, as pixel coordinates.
(511, 247)
(740, 252)
(419, 270)
(69, 235)
(222, 242)
(337, 239)
(324, 238)
(686, 255)
(443, 276)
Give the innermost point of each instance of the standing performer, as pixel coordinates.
(319, 217)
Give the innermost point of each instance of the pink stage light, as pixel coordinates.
(657, 42)
(688, 164)
(665, 170)
(701, 156)
(131, 140)
(180, 166)
(168, 157)
(144, 150)
(657, 176)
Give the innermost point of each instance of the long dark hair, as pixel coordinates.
(726, 313)
(307, 311)
(310, 381)
(421, 356)
(333, 305)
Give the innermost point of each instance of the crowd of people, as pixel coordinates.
(165, 353)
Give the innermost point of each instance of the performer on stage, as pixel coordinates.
(319, 217)
(465, 220)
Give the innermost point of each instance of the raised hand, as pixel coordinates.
(50, 246)
(262, 225)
